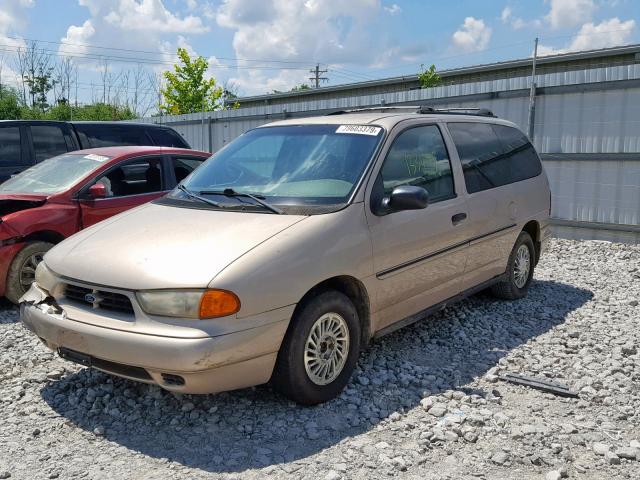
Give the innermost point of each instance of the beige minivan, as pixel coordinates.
(289, 250)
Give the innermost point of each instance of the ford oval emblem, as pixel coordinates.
(90, 298)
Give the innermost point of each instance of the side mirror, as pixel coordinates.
(97, 190)
(406, 197)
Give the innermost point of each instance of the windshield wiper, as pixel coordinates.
(230, 192)
(198, 197)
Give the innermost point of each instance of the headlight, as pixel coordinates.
(45, 277)
(189, 303)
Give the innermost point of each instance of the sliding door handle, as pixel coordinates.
(458, 218)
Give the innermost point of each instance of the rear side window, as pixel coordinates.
(48, 141)
(112, 135)
(165, 137)
(522, 158)
(10, 151)
(418, 157)
(493, 155)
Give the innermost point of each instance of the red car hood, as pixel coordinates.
(14, 202)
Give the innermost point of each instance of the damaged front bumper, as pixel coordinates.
(188, 365)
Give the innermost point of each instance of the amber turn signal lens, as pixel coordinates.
(218, 303)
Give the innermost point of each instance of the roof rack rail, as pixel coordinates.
(424, 109)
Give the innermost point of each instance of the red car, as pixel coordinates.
(58, 197)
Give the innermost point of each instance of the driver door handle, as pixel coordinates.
(458, 218)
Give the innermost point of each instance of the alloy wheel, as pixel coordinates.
(522, 266)
(326, 349)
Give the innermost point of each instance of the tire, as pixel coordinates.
(516, 285)
(297, 375)
(22, 269)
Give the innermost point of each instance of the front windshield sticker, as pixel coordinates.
(359, 129)
(97, 158)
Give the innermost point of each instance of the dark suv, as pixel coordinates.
(26, 142)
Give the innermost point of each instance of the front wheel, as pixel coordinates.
(519, 270)
(22, 270)
(320, 350)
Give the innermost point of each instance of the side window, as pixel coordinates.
(134, 178)
(493, 155)
(419, 157)
(183, 166)
(110, 135)
(10, 151)
(522, 158)
(165, 137)
(48, 141)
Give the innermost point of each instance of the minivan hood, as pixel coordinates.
(158, 246)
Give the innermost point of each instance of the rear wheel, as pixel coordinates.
(320, 350)
(519, 270)
(22, 270)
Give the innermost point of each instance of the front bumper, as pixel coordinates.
(205, 365)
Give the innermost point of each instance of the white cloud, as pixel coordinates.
(569, 13)
(517, 23)
(472, 36)
(13, 18)
(304, 31)
(149, 15)
(129, 24)
(505, 16)
(607, 33)
(393, 9)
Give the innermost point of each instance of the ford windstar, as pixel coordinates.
(290, 249)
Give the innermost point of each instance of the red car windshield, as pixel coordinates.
(54, 175)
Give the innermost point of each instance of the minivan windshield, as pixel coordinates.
(54, 175)
(302, 165)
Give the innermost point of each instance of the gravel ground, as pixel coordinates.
(426, 401)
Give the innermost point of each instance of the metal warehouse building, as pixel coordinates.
(587, 125)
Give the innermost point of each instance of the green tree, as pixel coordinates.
(428, 77)
(300, 88)
(187, 90)
(95, 112)
(10, 103)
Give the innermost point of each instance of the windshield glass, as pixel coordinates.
(290, 165)
(54, 175)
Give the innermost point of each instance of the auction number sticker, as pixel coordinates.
(97, 158)
(359, 129)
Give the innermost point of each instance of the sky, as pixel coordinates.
(258, 46)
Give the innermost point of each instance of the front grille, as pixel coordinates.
(97, 298)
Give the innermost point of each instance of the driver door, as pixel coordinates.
(128, 185)
(419, 255)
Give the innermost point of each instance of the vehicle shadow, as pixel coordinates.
(254, 428)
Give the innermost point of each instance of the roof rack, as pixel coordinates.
(424, 109)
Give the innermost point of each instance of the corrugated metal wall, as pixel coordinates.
(586, 122)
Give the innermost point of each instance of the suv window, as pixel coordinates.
(134, 178)
(48, 141)
(493, 155)
(10, 151)
(183, 166)
(165, 137)
(419, 157)
(93, 136)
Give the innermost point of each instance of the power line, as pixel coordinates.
(127, 59)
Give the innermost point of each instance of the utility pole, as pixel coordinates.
(316, 72)
(532, 93)
(203, 98)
